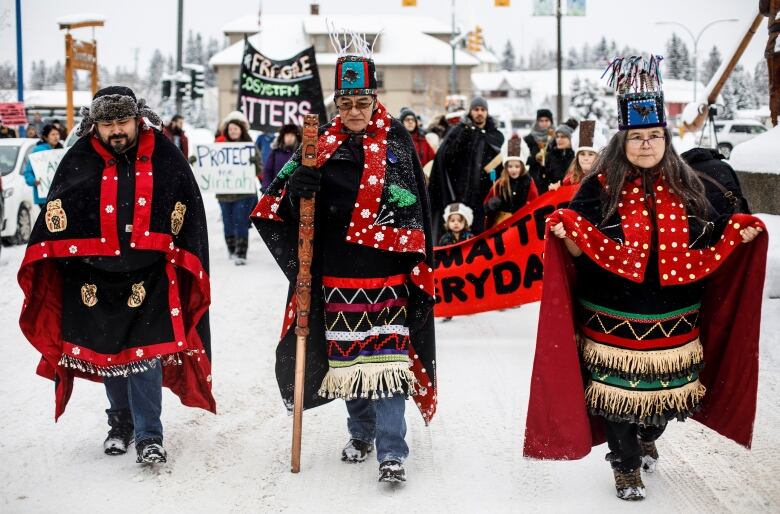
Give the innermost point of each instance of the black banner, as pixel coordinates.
(273, 93)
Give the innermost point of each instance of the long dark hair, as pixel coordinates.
(244, 133)
(682, 180)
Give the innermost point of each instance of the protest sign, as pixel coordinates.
(44, 165)
(225, 168)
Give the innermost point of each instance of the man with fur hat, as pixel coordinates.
(541, 133)
(115, 276)
(459, 173)
(371, 338)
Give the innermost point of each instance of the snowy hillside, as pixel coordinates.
(468, 460)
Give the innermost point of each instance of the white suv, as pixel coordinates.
(16, 225)
(730, 133)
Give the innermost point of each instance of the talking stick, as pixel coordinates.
(303, 286)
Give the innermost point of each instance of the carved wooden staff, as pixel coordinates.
(303, 286)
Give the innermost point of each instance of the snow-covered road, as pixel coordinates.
(468, 460)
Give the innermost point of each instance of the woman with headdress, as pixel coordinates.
(371, 338)
(514, 188)
(635, 270)
(587, 143)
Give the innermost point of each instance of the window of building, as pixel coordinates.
(380, 79)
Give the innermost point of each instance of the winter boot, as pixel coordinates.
(151, 451)
(241, 248)
(121, 433)
(230, 241)
(612, 457)
(649, 455)
(629, 485)
(392, 471)
(356, 451)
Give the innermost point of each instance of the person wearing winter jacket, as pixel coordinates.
(541, 134)
(514, 188)
(424, 150)
(719, 179)
(236, 208)
(587, 143)
(288, 139)
(174, 131)
(559, 156)
(50, 140)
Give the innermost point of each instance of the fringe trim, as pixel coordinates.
(636, 363)
(370, 380)
(644, 404)
(121, 370)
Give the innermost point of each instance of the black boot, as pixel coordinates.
(241, 248)
(392, 471)
(230, 241)
(356, 451)
(121, 434)
(629, 484)
(151, 451)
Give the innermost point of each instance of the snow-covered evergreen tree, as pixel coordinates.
(37, 78)
(711, 65)
(601, 54)
(7, 76)
(212, 48)
(761, 82)
(572, 60)
(508, 57)
(588, 102)
(677, 60)
(738, 93)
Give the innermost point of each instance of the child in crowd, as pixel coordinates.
(514, 188)
(587, 143)
(457, 220)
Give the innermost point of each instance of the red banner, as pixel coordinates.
(12, 113)
(500, 268)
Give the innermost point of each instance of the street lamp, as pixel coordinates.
(695, 45)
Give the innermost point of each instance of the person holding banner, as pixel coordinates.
(514, 188)
(236, 208)
(371, 339)
(659, 282)
(115, 276)
(50, 140)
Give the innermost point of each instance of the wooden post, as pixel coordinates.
(69, 81)
(303, 286)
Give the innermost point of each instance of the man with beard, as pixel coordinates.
(459, 173)
(175, 132)
(115, 276)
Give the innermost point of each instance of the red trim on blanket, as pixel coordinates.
(645, 344)
(426, 391)
(365, 307)
(364, 283)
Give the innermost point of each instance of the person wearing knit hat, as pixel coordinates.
(287, 141)
(541, 133)
(559, 156)
(424, 150)
(371, 335)
(514, 187)
(123, 219)
(650, 299)
(587, 141)
(461, 169)
(458, 219)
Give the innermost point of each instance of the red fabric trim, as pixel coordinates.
(647, 344)
(365, 307)
(425, 402)
(364, 283)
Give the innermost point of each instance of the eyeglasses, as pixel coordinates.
(362, 105)
(637, 140)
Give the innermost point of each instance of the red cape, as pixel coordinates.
(558, 425)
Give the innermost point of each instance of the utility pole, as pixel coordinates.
(453, 71)
(179, 31)
(19, 62)
(559, 104)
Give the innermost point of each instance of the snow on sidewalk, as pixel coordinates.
(468, 460)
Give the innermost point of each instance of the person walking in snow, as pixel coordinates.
(372, 337)
(558, 156)
(424, 150)
(288, 139)
(457, 224)
(587, 143)
(643, 283)
(541, 133)
(175, 132)
(115, 276)
(50, 140)
(514, 187)
(458, 173)
(236, 208)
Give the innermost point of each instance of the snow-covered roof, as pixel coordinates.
(681, 91)
(758, 154)
(486, 57)
(399, 45)
(317, 24)
(48, 98)
(541, 83)
(74, 19)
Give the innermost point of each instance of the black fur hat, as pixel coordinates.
(114, 103)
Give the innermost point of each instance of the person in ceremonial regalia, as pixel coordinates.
(644, 283)
(115, 276)
(372, 337)
(514, 188)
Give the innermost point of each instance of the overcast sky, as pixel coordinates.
(150, 24)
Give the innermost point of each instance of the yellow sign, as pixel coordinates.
(502, 3)
(409, 3)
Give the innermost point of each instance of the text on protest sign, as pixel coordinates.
(44, 165)
(225, 168)
(274, 93)
(502, 267)
(12, 113)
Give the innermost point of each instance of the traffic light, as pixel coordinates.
(197, 79)
(475, 40)
(166, 88)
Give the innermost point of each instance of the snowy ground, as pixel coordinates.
(468, 460)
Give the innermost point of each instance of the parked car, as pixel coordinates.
(19, 211)
(730, 133)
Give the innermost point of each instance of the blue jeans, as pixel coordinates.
(383, 420)
(141, 394)
(235, 217)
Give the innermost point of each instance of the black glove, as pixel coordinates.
(192, 159)
(304, 182)
(493, 204)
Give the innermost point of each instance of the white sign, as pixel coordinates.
(44, 164)
(225, 168)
